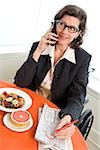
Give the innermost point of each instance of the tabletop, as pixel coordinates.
(11, 140)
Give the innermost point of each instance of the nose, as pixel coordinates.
(65, 30)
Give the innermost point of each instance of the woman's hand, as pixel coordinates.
(67, 132)
(48, 38)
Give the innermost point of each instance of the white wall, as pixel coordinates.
(18, 19)
(9, 64)
(94, 104)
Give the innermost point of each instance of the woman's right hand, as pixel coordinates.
(67, 132)
(48, 38)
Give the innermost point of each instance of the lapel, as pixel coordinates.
(63, 66)
(43, 68)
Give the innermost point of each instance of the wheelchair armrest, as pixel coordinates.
(85, 122)
(84, 116)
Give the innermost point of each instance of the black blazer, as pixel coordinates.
(69, 82)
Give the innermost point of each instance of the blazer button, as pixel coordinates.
(56, 77)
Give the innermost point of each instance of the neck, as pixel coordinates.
(59, 52)
(61, 48)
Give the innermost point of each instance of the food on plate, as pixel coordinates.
(11, 100)
(20, 118)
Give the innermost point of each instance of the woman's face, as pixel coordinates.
(71, 31)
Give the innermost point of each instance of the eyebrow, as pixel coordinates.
(70, 25)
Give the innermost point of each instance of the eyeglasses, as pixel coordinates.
(61, 24)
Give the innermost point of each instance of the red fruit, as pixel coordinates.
(5, 94)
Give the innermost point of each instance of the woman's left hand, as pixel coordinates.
(67, 132)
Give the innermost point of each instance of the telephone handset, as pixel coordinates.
(53, 26)
(53, 30)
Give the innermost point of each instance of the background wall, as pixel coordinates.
(9, 64)
(94, 104)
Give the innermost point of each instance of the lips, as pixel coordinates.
(61, 37)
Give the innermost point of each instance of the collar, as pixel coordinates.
(69, 53)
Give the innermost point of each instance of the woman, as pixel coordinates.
(57, 67)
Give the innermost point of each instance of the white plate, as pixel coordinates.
(8, 124)
(28, 100)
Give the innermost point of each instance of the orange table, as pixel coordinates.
(11, 140)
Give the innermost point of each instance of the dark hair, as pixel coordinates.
(80, 14)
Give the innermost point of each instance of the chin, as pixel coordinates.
(63, 42)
